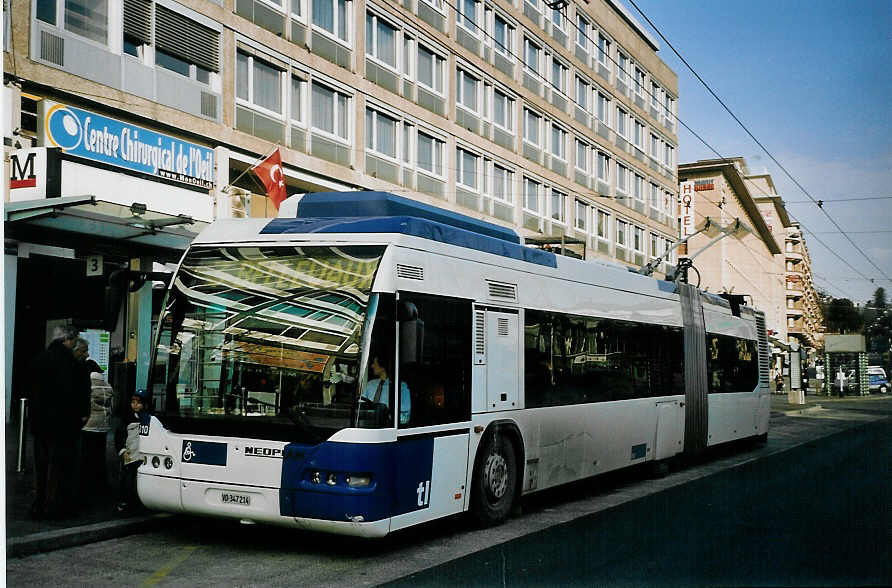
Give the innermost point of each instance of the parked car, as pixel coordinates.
(876, 380)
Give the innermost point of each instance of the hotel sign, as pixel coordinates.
(92, 136)
(686, 209)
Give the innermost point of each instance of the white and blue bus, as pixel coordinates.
(359, 373)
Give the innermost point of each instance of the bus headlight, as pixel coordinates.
(168, 462)
(331, 479)
(156, 462)
(358, 480)
(316, 477)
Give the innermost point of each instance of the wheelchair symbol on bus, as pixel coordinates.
(188, 454)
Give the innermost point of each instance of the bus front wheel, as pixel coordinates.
(495, 477)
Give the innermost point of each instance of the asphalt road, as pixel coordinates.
(810, 507)
(816, 515)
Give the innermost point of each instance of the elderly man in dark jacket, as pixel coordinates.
(59, 408)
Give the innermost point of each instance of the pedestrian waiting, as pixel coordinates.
(127, 444)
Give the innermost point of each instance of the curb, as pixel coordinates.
(62, 538)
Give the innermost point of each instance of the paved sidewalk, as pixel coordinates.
(97, 520)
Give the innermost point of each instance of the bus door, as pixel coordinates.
(435, 407)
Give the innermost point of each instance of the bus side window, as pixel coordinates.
(435, 360)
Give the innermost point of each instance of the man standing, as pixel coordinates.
(57, 415)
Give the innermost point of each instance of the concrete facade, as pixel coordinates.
(503, 113)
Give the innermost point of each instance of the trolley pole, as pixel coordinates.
(20, 463)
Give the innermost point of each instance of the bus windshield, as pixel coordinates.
(265, 342)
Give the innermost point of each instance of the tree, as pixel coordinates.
(879, 332)
(879, 298)
(843, 317)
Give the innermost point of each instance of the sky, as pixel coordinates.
(812, 81)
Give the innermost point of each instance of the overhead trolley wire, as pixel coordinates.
(728, 110)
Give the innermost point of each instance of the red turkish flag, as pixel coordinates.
(270, 173)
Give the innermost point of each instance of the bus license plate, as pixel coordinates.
(232, 498)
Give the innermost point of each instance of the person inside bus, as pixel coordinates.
(377, 390)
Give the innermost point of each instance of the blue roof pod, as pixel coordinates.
(417, 227)
(381, 204)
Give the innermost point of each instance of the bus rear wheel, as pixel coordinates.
(495, 481)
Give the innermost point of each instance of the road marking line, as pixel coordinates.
(162, 573)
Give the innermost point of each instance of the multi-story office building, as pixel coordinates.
(805, 319)
(560, 123)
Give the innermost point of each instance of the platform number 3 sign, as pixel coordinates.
(94, 265)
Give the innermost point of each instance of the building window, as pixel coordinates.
(380, 132)
(503, 33)
(655, 243)
(655, 95)
(557, 18)
(85, 18)
(298, 11)
(603, 49)
(430, 154)
(639, 82)
(559, 73)
(603, 225)
(654, 146)
(669, 155)
(181, 44)
(655, 196)
(503, 110)
(531, 195)
(438, 4)
(501, 183)
(298, 98)
(622, 177)
(558, 206)
(603, 167)
(466, 168)
(333, 16)
(622, 228)
(531, 124)
(638, 136)
(581, 219)
(430, 69)
(469, 15)
(531, 53)
(380, 40)
(604, 109)
(582, 151)
(582, 93)
(622, 68)
(258, 84)
(582, 29)
(669, 108)
(621, 118)
(638, 188)
(330, 111)
(558, 142)
(638, 239)
(467, 91)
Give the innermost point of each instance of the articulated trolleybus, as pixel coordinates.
(374, 363)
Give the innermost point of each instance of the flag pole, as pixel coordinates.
(228, 186)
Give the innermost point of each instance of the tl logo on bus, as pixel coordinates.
(424, 493)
